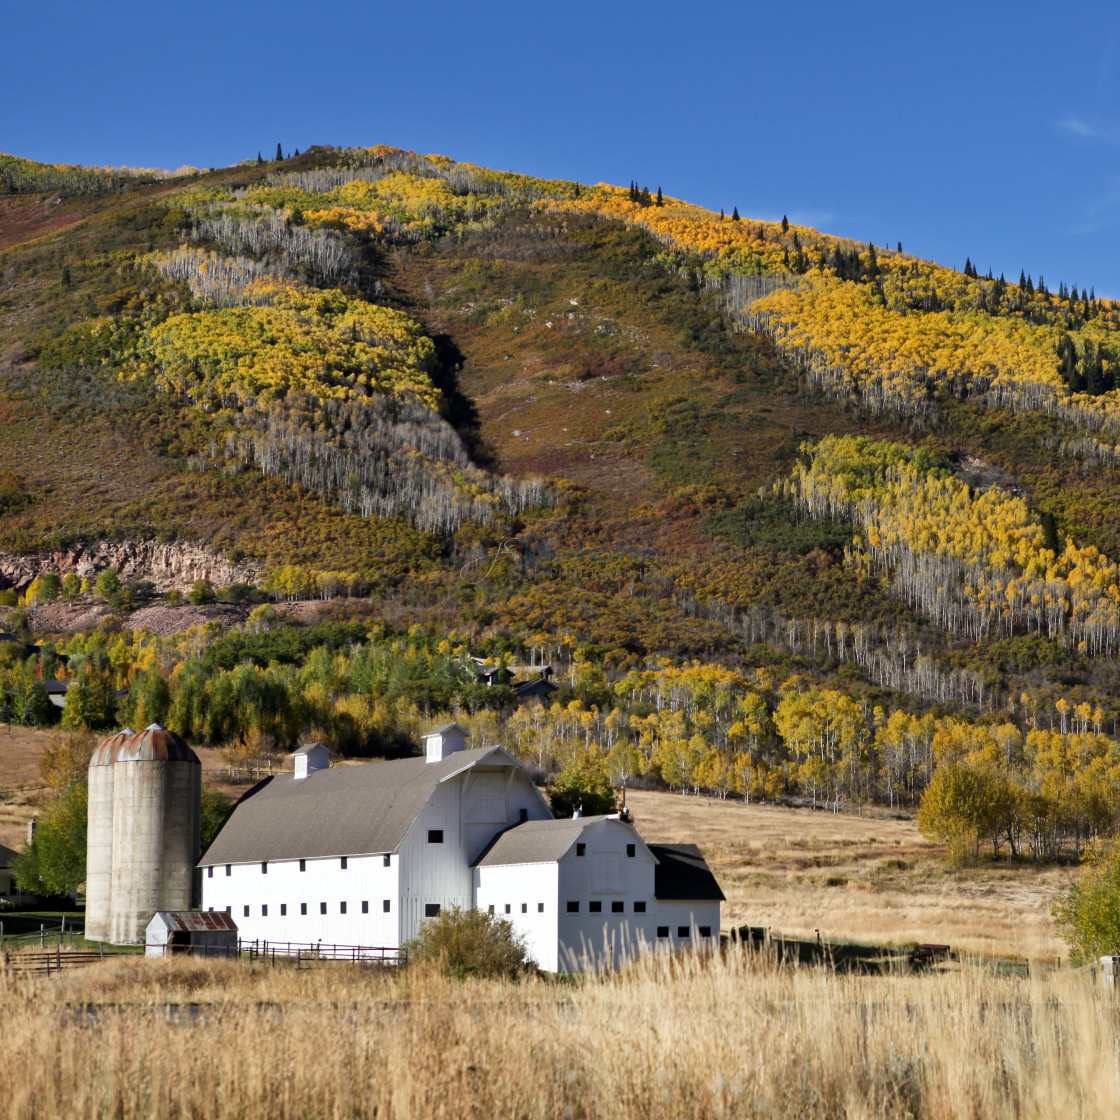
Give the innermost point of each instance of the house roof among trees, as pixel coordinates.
(682, 874)
(346, 810)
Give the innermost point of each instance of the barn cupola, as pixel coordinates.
(309, 758)
(443, 741)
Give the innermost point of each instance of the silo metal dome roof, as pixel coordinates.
(106, 753)
(155, 744)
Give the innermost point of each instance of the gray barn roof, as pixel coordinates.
(682, 874)
(535, 841)
(346, 810)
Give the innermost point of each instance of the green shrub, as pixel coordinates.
(1089, 912)
(585, 785)
(466, 943)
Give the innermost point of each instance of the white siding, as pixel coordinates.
(529, 891)
(324, 882)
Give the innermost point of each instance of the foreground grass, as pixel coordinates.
(721, 1038)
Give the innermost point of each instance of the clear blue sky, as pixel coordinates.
(985, 129)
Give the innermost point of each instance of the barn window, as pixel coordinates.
(211, 909)
(229, 869)
(229, 909)
(581, 849)
(283, 909)
(490, 909)
(523, 815)
(303, 865)
(639, 907)
(435, 835)
(264, 910)
(303, 908)
(343, 863)
(705, 931)
(631, 850)
(385, 906)
(684, 931)
(507, 907)
(246, 911)
(209, 873)
(431, 909)
(342, 907)
(617, 907)
(386, 861)
(662, 931)
(573, 906)
(365, 907)
(264, 867)
(322, 907)
(524, 908)
(540, 907)
(595, 906)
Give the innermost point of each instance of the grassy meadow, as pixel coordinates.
(723, 1037)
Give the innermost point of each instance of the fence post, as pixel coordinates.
(42, 935)
(101, 949)
(58, 956)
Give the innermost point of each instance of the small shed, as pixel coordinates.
(204, 933)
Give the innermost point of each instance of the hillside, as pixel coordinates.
(793, 515)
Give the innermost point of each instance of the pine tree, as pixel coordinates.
(1022, 279)
(721, 214)
(968, 267)
(785, 224)
(900, 246)
(660, 197)
(297, 152)
(279, 153)
(1030, 287)
(735, 213)
(260, 159)
(646, 198)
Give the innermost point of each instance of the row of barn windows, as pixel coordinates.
(595, 906)
(342, 908)
(343, 862)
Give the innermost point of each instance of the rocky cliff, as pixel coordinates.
(168, 565)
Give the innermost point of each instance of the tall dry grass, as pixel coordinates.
(731, 1037)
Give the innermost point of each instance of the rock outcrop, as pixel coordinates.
(175, 564)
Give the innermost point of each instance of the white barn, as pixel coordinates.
(361, 855)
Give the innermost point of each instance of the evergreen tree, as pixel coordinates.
(260, 159)
(660, 197)
(968, 267)
(297, 151)
(721, 214)
(785, 224)
(872, 262)
(647, 198)
(735, 213)
(1022, 279)
(900, 246)
(1030, 287)
(279, 153)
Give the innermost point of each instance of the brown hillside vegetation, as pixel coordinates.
(707, 1039)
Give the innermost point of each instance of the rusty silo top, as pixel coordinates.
(106, 753)
(155, 744)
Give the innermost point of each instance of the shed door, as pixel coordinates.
(606, 871)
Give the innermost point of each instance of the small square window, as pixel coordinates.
(365, 907)
(431, 909)
(618, 907)
(639, 907)
(264, 910)
(581, 849)
(540, 907)
(662, 931)
(246, 911)
(211, 909)
(573, 907)
(524, 908)
(344, 863)
(303, 908)
(322, 907)
(507, 907)
(386, 861)
(342, 907)
(229, 869)
(522, 815)
(435, 835)
(229, 909)
(705, 931)
(595, 906)
(631, 850)
(684, 931)
(209, 873)
(385, 906)
(283, 909)
(303, 865)
(264, 867)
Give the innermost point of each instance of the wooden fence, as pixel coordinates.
(311, 952)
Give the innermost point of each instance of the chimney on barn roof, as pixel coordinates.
(309, 758)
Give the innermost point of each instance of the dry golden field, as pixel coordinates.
(853, 878)
(705, 1039)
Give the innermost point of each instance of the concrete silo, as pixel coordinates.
(157, 805)
(99, 843)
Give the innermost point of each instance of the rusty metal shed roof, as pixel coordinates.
(197, 921)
